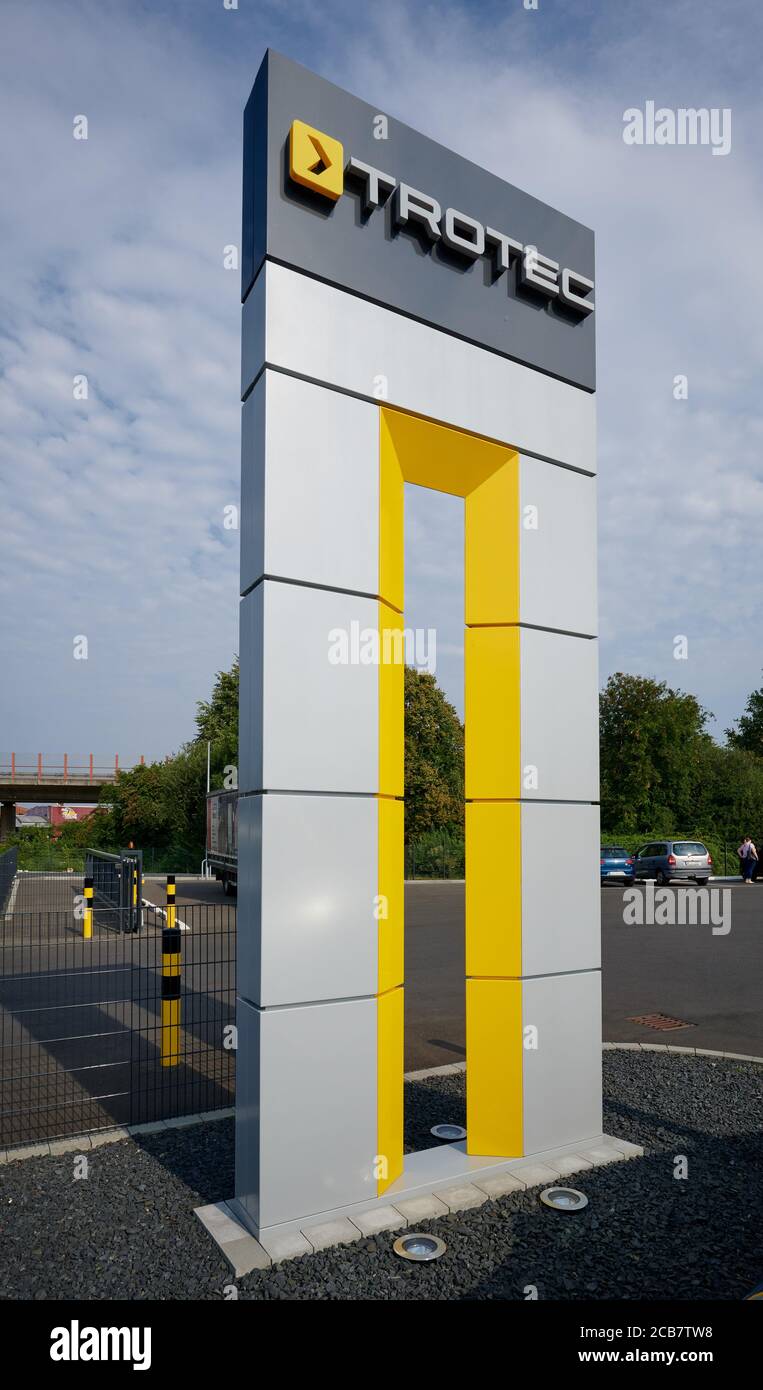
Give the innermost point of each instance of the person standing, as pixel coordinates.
(748, 858)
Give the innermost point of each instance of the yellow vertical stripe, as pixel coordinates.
(391, 712)
(491, 545)
(492, 713)
(493, 888)
(389, 1088)
(391, 519)
(390, 1014)
(494, 1067)
(391, 895)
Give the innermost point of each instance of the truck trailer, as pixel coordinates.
(222, 838)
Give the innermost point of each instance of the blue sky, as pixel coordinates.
(112, 259)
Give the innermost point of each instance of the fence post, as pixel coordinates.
(170, 1044)
(87, 923)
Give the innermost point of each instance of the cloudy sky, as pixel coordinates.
(112, 508)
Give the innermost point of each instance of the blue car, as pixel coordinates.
(616, 863)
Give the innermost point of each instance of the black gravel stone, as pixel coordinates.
(128, 1229)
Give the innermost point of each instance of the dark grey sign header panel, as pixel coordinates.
(366, 252)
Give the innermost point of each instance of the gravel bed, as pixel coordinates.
(128, 1229)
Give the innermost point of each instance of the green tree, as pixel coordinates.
(654, 751)
(747, 731)
(434, 758)
(217, 718)
(729, 801)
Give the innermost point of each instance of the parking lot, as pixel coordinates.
(80, 1022)
(710, 983)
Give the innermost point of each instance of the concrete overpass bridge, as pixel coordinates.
(78, 779)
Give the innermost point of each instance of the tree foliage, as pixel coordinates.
(747, 732)
(653, 742)
(661, 772)
(434, 758)
(217, 718)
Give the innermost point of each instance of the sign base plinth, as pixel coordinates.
(446, 1173)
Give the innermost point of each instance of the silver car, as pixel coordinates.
(667, 859)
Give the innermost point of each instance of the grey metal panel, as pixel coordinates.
(561, 896)
(251, 627)
(253, 332)
(314, 1095)
(248, 1107)
(340, 340)
(253, 498)
(307, 929)
(312, 725)
(557, 585)
(249, 898)
(562, 1077)
(559, 716)
(309, 486)
(365, 252)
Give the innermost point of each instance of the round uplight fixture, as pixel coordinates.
(448, 1132)
(417, 1245)
(563, 1198)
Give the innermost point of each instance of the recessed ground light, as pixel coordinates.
(417, 1245)
(449, 1132)
(563, 1198)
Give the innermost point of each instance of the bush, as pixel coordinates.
(435, 854)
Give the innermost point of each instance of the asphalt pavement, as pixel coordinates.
(709, 982)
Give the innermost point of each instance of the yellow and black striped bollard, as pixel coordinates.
(170, 1048)
(87, 921)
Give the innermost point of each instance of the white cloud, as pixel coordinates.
(112, 508)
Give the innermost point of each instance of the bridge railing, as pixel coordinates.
(29, 770)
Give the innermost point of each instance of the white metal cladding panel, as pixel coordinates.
(307, 929)
(562, 1076)
(312, 1102)
(344, 341)
(559, 716)
(561, 896)
(309, 486)
(319, 725)
(557, 587)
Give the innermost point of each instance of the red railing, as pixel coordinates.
(24, 770)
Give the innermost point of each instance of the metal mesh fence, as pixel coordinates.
(8, 864)
(86, 1040)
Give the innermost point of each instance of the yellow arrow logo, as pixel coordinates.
(315, 160)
